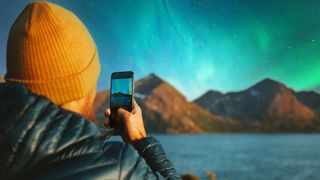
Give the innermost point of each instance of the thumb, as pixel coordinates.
(123, 114)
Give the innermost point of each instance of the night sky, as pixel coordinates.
(199, 45)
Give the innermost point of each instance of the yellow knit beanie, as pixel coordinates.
(52, 53)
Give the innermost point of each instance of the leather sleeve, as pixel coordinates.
(153, 153)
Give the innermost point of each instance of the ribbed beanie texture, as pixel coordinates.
(52, 53)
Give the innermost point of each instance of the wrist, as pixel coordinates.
(137, 137)
(142, 144)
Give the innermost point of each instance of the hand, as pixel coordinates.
(128, 124)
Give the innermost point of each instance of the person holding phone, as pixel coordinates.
(127, 116)
(47, 102)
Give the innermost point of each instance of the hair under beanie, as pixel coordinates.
(52, 53)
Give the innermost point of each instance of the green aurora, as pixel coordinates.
(200, 45)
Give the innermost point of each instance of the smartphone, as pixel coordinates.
(122, 92)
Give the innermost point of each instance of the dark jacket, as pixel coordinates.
(40, 140)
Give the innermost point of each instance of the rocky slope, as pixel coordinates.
(310, 99)
(266, 106)
(166, 110)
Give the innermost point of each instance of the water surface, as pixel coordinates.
(246, 156)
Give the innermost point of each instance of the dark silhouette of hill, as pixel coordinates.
(120, 94)
(166, 110)
(269, 105)
(310, 99)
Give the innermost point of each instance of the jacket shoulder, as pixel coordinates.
(109, 160)
(41, 140)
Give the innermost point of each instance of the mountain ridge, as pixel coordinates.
(166, 110)
(268, 102)
(267, 106)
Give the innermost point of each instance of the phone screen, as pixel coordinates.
(121, 93)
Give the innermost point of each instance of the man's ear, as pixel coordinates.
(83, 106)
(76, 105)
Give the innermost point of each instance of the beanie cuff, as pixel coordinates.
(68, 88)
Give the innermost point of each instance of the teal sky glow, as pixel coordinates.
(198, 45)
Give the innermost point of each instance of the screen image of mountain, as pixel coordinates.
(121, 92)
(121, 100)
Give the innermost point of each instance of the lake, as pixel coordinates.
(245, 156)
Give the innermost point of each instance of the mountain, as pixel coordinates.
(310, 99)
(269, 105)
(209, 98)
(120, 94)
(166, 110)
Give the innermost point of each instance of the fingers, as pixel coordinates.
(107, 112)
(120, 116)
(120, 120)
(106, 123)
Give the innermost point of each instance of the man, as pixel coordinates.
(52, 71)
